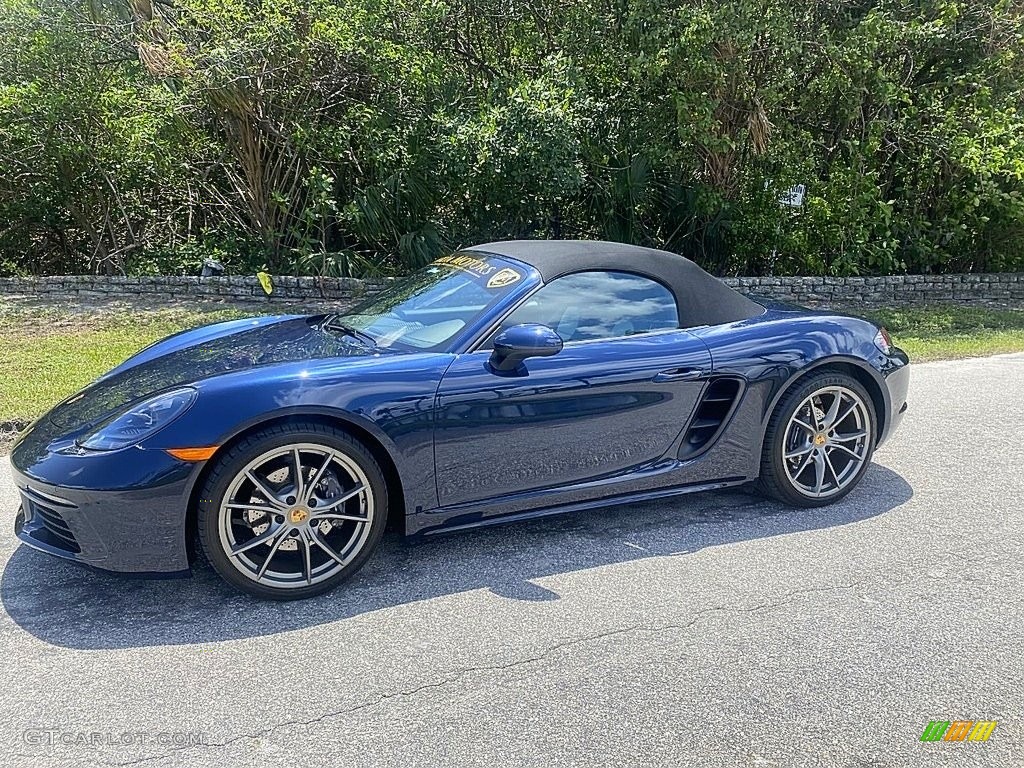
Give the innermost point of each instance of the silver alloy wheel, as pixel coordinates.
(826, 442)
(296, 515)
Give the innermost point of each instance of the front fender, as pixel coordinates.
(389, 398)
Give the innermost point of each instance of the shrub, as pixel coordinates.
(358, 137)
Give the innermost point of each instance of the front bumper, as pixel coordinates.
(124, 511)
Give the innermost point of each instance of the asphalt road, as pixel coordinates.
(715, 630)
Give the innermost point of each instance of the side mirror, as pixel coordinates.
(515, 344)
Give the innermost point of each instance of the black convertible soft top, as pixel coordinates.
(702, 299)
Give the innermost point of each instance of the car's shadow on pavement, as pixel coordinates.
(65, 605)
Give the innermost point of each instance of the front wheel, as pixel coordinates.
(819, 441)
(292, 510)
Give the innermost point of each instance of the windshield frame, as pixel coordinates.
(465, 336)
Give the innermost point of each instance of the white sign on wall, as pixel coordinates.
(793, 197)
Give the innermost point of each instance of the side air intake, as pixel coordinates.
(712, 411)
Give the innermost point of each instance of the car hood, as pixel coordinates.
(193, 356)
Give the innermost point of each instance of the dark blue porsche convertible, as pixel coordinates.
(504, 381)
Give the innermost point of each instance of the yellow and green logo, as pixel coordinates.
(958, 730)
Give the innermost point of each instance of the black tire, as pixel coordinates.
(774, 480)
(228, 471)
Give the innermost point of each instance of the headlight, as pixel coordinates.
(140, 421)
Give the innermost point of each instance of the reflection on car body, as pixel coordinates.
(504, 381)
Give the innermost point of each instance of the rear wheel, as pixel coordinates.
(819, 441)
(292, 511)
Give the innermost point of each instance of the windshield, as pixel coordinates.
(427, 309)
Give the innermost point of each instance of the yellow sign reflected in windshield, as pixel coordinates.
(466, 263)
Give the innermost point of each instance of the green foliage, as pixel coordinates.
(362, 137)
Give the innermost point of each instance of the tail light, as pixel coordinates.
(883, 341)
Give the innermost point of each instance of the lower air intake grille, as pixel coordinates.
(712, 411)
(60, 535)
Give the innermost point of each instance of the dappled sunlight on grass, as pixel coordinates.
(47, 356)
(944, 332)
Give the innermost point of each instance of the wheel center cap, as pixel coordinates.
(820, 439)
(297, 515)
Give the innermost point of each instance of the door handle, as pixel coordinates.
(681, 374)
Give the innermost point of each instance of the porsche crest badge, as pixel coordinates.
(503, 278)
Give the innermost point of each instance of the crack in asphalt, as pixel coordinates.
(453, 677)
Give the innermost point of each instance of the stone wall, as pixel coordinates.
(1001, 289)
(99, 288)
(900, 290)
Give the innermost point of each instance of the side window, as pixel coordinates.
(599, 305)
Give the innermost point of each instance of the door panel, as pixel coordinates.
(594, 409)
